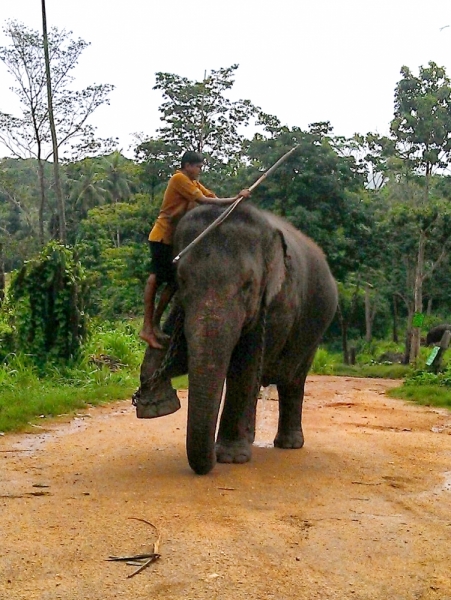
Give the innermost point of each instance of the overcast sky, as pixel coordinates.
(301, 60)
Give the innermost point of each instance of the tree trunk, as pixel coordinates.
(418, 299)
(370, 313)
(344, 336)
(429, 307)
(408, 347)
(344, 341)
(2, 276)
(56, 172)
(395, 319)
(42, 202)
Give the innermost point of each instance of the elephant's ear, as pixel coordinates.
(276, 269)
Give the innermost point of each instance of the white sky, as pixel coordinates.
(302, 60)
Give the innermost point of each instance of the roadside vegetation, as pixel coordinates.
(417, 383)
(106, 370)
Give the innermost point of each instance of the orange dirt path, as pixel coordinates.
(363, 511)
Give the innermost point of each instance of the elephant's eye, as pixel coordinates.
(247, 285)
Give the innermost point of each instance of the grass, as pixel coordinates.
(330, 363)
(27, 394)
(429, 395)
(31, 399)
(180, 383)
(393, 371)
(20, 407)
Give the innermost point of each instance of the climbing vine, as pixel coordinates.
(48, 295)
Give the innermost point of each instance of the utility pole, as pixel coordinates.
(2, 275)
(56, 172)
(200, 146)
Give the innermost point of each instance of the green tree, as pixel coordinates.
(349, 296)
(421, 129)
(415, 232)
(19, 201)
(198, 115)
(28, 135)
(2, 275)
(157, 161)
(84, 190)
(117, 273)
(319, 191)
(118, 176)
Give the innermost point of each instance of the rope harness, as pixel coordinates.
(167, 362)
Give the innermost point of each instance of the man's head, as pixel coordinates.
(192, 163)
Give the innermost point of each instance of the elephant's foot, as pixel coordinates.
(292, 439)
(152, 410)
(233, 452)
(250, 435)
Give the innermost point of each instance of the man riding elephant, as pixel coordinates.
(182, 194)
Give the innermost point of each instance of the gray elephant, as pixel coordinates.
(254, 299)
(435, 334)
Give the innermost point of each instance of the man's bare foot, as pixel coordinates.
(150, 338)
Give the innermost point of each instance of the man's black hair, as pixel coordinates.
(191, 158)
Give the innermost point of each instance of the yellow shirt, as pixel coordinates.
(180, 197)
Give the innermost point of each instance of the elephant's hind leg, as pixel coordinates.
(289, 432)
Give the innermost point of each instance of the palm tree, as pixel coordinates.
(118, 177)
(85, 186)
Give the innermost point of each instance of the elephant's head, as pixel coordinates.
(223, 282)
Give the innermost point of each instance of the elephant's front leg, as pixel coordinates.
(289, 431)
(237, 426)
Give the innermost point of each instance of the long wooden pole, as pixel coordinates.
(56, 172)
(232, 207)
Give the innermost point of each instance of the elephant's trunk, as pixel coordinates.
(203, 408)
(210, 349)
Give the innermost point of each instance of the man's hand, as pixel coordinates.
(244, 193)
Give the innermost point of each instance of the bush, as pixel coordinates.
(7, 333)
(422, 377)
(119, 340)
(48, 295)
(323, 363)
(28, 391)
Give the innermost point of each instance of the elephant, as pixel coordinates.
(435, 334)
(254, 299)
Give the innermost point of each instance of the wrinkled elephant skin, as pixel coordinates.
(257, 296)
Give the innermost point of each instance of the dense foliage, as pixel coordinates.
(48, 295)
(378, 206)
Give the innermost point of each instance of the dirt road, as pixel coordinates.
(363, 511)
